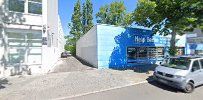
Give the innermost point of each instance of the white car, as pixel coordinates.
(182, 72)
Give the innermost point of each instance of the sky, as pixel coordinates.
(66, 9)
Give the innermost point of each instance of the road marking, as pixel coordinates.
(83, 94)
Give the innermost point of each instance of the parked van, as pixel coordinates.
(183, 72)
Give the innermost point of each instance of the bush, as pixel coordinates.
(71, 48)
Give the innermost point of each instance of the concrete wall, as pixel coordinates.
(61, 37)
(86, 47)
(50, 52)
(113, 43)
(1, 51)
(105, 46)
(52, 20)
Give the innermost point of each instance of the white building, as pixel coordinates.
(31, 37)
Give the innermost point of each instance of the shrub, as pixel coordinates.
(71, 48)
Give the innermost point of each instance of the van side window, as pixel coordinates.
(201, 61)
(195, 66)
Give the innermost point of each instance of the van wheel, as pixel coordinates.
(189, 87)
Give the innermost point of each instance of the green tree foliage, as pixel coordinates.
(169, 16)
(84, 18)
(128, 19)
(70, 44)
(87, 19)
(113, 14)
(81, 22)
(103, 15)
(76, 23)
(76, 29)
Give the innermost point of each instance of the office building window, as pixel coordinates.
(24, 48)
(16, 5)
(131, 53)
(35, 6)
(145, 52)
(199, 52)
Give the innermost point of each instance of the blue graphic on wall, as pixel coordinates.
(114, 41)
(193, 46)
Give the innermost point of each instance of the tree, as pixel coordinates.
(169, 17)
(128, 19)
(70, 44)
(76, 27)
(84, 18)
(76, 23)
(112, 14)
(102, 16)
(87, 19)
(89, 6)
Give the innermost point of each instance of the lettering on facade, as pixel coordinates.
(139, 39)
(195, 40)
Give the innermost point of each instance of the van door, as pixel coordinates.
(201, 63)
(196, 73)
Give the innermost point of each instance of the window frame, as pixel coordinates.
(147, 52)
(26, 8)
(198, 63)
(201, 63)
(8, 7)
(26, 41)
(28, 1)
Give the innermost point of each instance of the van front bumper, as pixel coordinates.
(179, 84)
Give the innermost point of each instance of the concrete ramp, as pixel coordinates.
(70, 64)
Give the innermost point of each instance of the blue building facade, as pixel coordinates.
(121, 48)
(194, 44)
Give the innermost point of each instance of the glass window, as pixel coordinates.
(199, 52)
(131, 53)
(16, 5)
(144, 52)
(24, 48)
(201, 61)
(35, 6)
(34, 36)
(195, 66)
(178, 63)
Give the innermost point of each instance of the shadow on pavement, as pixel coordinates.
(151, 81)
(84, 62)
(144, 68)
(199, 86)
(3, 82)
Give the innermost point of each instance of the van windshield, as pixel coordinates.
(178, 63)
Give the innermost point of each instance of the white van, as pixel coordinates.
(184, 72)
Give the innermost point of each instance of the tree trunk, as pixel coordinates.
(173, 39)
(173, 49)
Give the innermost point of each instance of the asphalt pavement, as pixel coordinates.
(145, 91)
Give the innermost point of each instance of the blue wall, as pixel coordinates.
(113, 42)
(190, 48)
